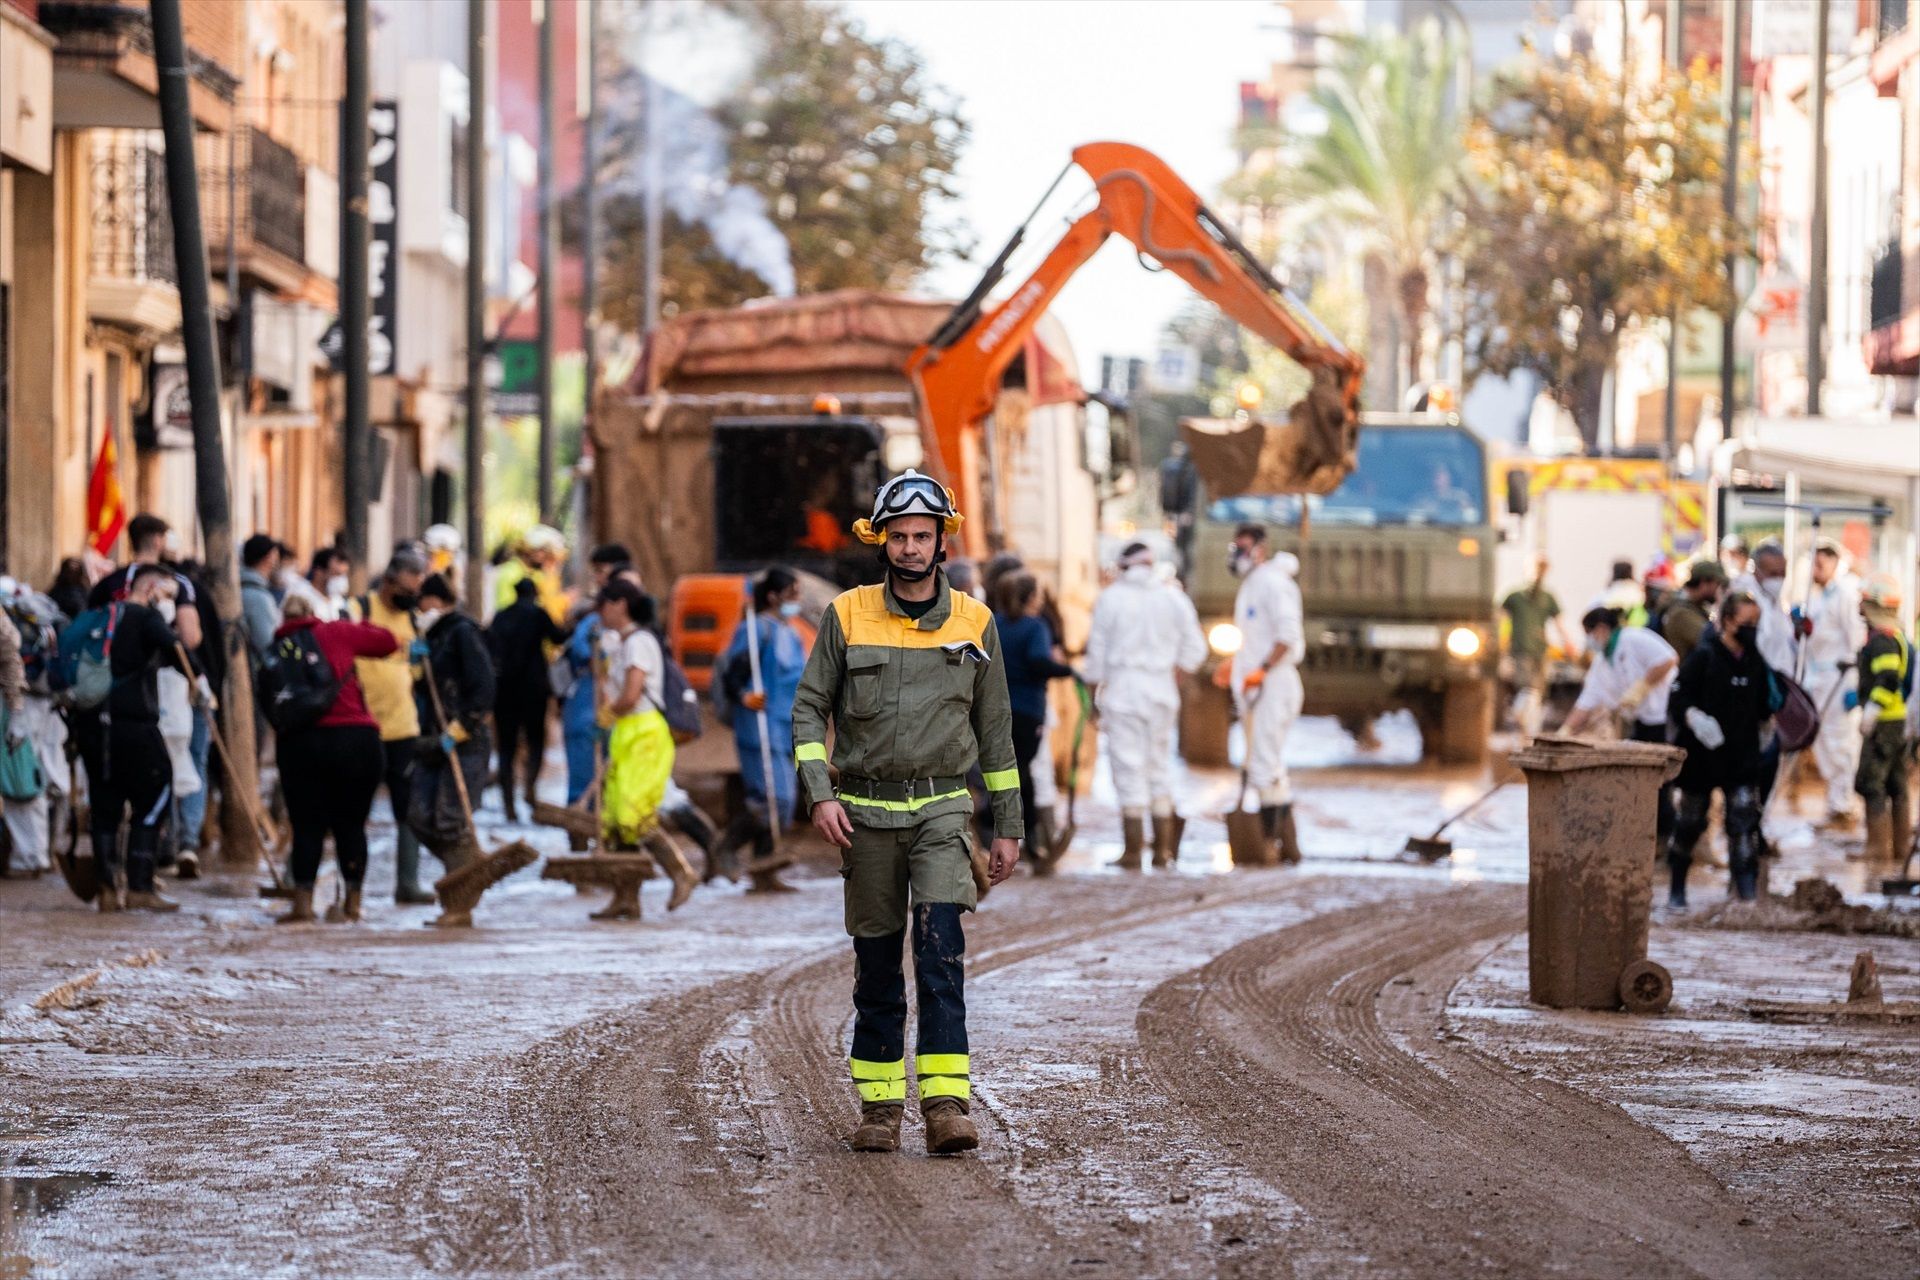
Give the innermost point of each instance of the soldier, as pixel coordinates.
(911, 675)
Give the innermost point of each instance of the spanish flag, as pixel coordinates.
(106, 508)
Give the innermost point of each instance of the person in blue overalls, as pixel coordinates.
(776, 600)
(579, 716)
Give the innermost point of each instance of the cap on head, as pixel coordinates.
(1881, 591)
(1825, 546)
(441, 537)
(1705, 571)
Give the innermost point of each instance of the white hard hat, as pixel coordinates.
(544, 537)
(442, 537)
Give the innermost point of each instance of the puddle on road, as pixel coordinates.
(24, 1198)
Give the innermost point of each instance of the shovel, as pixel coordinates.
(1432, 848)
(263, 828)
(1063, 838)
(459, 891)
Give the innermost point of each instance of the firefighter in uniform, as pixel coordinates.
(909, 671)
(1886, 682)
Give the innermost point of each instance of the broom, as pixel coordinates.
(459, 891)
(263, 826)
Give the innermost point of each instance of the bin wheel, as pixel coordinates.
(1646, 987)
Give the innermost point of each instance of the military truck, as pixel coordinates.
(1397, 580)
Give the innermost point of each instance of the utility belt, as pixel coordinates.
(910, 792)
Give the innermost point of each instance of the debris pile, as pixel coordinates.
(1814, 906)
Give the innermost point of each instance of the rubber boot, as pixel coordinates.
(1289, 837)
(301, 912)
(150, 900)
(724, 862)
(1270, 822)
(1743, 869)
(406, 870)
(1166, 842)
(1134, 832)
(667, 852)
(949, 1131)
(1677, 866)
(1900, 825)
(879, 1127)
(108, 899)
(1879, 846)
(347, 910)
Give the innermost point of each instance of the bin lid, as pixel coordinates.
(1551, 753)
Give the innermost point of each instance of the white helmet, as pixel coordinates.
(912, 494)
(441, 537)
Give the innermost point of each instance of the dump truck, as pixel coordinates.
(1396, 576)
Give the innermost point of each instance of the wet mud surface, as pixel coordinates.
(1331, 1071)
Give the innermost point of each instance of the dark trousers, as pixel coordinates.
(1657, 733)
(1026, 745)
(128, 773)
(397, 776)
(434, 810)
(329, 776)
(1743, 809)
(518, 720)
(880, 990)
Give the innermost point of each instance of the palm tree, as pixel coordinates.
(1384, 166)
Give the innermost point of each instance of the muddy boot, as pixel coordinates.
(1289, 837)
(406, 873)
(1743, 871)
(506, 805)
(347, 910)
(107, 898)
(1677, 867)
(1270, 828)
(949, 1131)
(723, 863)
(301, 912)
(1879, 846)
(667, 852)
(879, 1127)
(1900, 824)
(150, 900)
(1166, 841)
(187, 865)
(1134, 832)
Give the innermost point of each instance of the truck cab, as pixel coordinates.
(1396, 577)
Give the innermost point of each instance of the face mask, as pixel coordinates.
(790, 609)
(1746, 635)
(166, 608)
(1138, 573)
(1239, 563)
(1771, 585)
(405, 601)
(337, 585)
(430, 616)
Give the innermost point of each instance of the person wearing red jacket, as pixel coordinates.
(330, 771)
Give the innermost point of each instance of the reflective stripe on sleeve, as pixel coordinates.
(810, 751)
(1886, 662)
(1003, 780)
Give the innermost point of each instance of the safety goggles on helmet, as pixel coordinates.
(912, 494)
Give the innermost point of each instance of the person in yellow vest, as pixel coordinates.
(538, 555)
(1886, 683)
(388, 685)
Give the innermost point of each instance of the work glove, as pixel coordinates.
(1706, 729)
(15, 736)
(1254, 679)
(417, 651)
(203, 695)
(1634, 696)
(1851, 700)
(1802, 624)
(753, 701)
(448, 744)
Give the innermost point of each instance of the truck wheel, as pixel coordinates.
(1466, 722)
(1206, 713)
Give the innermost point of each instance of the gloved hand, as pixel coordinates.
(447, 743)
(1706, 729)
(417, 651)
(753, 701)
(1635, 695)
(1254, 678)
(1851, 700)
(15, 734)
(1802, 624)
(203, 695)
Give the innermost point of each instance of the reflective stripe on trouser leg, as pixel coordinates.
(939, 958)
(878, 1062)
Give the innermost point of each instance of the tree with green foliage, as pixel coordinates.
(1381, 165)
(1591, 207)
(837, 143)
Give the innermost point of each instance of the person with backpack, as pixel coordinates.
(518, 638)
(387, 684)
(330, 752)
(454, 700)
(128, 769)
(634, 702)
(783, 659)
(35, 721)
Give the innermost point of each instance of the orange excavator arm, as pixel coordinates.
(956, 374)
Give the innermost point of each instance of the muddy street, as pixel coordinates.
(1328, 1071)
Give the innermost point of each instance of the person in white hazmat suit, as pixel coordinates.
(1266, 675)
(1144, 631)
(1835, 633)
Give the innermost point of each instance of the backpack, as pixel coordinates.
(297, 684)
(681, 705)
(38, 620)
(84, 666)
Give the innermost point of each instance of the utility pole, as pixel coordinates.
(239, 843)
(1670, 406)
(590, 231)
(1730, 63)
(354, 110)
(1817, 225)
(476, 537)
(650, 198)
(549, 237)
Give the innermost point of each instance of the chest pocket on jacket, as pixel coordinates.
(866, 682)
(956, 682)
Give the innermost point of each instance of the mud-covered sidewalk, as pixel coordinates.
(1325, 1072)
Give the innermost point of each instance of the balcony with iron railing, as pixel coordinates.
(259, 186)
(131, 278)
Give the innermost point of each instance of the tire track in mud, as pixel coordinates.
(733, 1161)
(1321, 1051)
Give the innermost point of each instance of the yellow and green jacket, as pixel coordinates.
(1886, 675)
(908, 705)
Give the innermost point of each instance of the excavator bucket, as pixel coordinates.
(1311, 452)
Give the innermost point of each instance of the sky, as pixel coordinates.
(1039, 78)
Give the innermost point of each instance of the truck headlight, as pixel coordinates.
(1463, 642)
(1224, 639)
